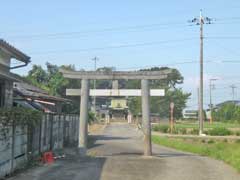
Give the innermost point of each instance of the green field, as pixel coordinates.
(192, 128)
(228, 152)
(187, 124)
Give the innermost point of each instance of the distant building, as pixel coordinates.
(118, 108)
(236, 102)
(8, 53)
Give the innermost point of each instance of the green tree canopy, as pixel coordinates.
(161, 105)
(227, 112)
(54, 83)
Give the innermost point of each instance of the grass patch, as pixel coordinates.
(185, 124)
(228, 152)
(215, 129)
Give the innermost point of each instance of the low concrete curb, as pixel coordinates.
(197, 136)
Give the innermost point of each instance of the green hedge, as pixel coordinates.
(219, 131)
(161, 128)
(19, 116)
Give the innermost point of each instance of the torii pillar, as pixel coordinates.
(83, 125)
(146, 121)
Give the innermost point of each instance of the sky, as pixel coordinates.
(130, 35)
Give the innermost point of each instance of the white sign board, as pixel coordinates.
(115, 92)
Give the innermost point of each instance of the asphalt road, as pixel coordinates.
(116, 154)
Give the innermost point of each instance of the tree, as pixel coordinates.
(227, 112)
(160, 105)
(54, 83)
(38, 77)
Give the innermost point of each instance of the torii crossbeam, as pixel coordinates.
(145, 92)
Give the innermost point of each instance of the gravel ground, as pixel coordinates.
(116, 154)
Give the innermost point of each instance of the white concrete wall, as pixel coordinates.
(54, 130)
(18, 149)
(5, 152)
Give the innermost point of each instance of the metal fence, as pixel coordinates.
(19, 144)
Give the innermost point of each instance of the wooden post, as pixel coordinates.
(171, 117)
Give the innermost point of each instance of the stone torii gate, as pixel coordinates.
(145, 92)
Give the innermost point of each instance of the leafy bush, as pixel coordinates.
(91, 117)
(19, 116)
(161, 128)
(182, 131)
(219, 131)
(194, 131)
(211, 141)
(237, 133)
(179, 130)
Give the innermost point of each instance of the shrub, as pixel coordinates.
(180, 131)
(225, 140)
(206, 132)
(175, 130)
(194, 131)
(91, 117)
(237, 133)
(211, 141)
(237, 141)
(19, 116)
(219, 131)
(161, 128)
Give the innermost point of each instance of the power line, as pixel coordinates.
(222, 37)
(140, 28)
(231, 51)
(227, 18)
(161, 65)
(112, 47)
(111, 29)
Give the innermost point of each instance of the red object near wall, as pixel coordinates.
(48, 157)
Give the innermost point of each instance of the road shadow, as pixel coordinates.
(75, 167)
(127, 154)
(92, 140)
(107, 138)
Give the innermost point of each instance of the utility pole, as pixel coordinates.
(233, 87)
(201, 21)
(95, 59)
(211, 105)
(198, 97)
